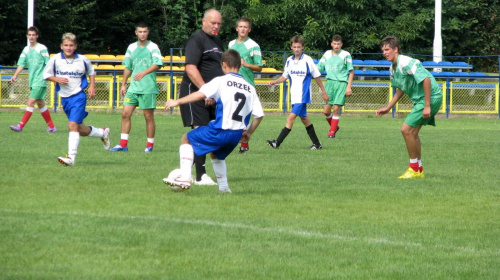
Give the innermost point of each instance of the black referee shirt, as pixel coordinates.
(205, 52)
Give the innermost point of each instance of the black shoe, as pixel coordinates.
(243, 150)
(316, 146)
(273, 143)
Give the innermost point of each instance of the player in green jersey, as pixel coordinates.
(35, 56)
(410, 77)
(251, 58)
(142, 60)
(339, 74)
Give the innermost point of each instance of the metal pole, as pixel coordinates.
(437, 49)
(31, 16)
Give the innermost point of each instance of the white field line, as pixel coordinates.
(302, 233)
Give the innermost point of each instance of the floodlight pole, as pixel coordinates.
(31, 15)
(438, 42)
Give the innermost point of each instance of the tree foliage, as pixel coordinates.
(469, 27)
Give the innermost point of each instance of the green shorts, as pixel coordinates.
(415, 118)
(38, 92)
(144, 101)
(336, 92)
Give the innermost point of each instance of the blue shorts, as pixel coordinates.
(218, 141)
(300, 109)
(74, 107)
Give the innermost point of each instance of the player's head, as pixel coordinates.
(211, 22)
(231, 59)
(68, 44)
(337, 38)
(297, 45)
(32, 34)
(390, 48)
(142, 31)
(244, 19)
(243, 27)
(33, 29)
(336, 43)
(297, 39)
(390, 41)
(68, 37)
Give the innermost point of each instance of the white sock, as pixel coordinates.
(43, 109)
(151, 140)
(73, 141)
(96, 132)
(419, 163)
(335, 117)
(220, 170)
(124, 136)
(413, 160)
(186, 155)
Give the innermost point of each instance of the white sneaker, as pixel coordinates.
(224, 191)
(177, 184)
(66, 161)
(105, 138)
(205, 181)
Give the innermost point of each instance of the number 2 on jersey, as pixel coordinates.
(242, 99)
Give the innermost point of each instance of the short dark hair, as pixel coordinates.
(33, 28)
(141, 24)
(392, 41)
(337, 38)
(244, 19)
(297, 39)
(231, 58)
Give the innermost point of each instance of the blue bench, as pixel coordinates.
(460, 65)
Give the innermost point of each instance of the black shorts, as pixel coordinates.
(196, 113)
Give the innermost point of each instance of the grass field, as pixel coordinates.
(335, 213)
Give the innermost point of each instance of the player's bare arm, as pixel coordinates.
(123, 88)
(194, 75)
(91, 88)
(59, 80)
(150, 69)
(277, 81)
(348, 90)
(14, 77)
(245, 137)
(253, 67)
(426, 113)
(193, 97)
(387, 108)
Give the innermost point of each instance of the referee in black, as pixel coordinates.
(203, 63)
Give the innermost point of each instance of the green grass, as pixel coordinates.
(336, 213)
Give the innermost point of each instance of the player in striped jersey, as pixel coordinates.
(236, 100)
(35, 56)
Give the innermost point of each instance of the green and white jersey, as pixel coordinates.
(138, 59)
(35, 58)
(337, 66)
(408, 77)
(250, 52)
